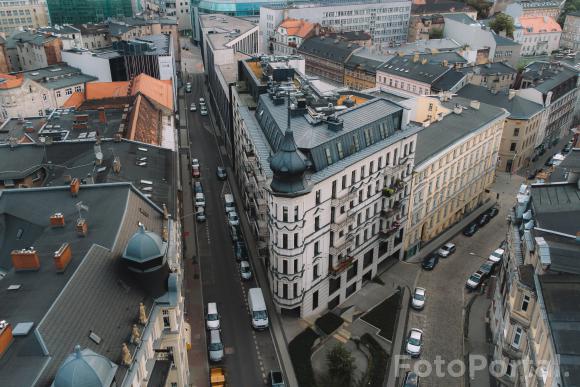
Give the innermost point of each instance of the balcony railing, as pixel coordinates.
(511, 352)
(397, 186)
(393, 210)
(389, 231)
(341, 266)
(342, 199)
(393, 169)
(341, 247)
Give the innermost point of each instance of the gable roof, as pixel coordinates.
(334, 50)
(159, 91)
(297, 27)
(8, 81)
(413, 67)
(539, 24)
(518, 107)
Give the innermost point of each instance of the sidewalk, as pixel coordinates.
(476, 342)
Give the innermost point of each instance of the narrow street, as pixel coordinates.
(249, 355)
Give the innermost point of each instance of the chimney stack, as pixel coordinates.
(82, 227)
(6, 336)
(25, 260)
(416, 57)
(62, 257)
(102, 115)
(57, 220)
(75, 185)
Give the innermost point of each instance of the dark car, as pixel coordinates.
(221, 173)
(483, 220)
(240, 251)
(197, 188)
(430, 262)
(487, 268)
(549, 162)
(532, 174)
(492, 212)
(470, 229)
(567, 148)
(411, 380)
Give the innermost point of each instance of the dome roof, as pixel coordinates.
(85, 369)
(144, 245)
(288, 166)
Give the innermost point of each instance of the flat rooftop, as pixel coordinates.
(59, 76)
(17, 128)
(63, 124)
(94, 285)
(222, 29)
(556, 207)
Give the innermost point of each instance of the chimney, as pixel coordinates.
(416, 57)
(75, 185)
(57, 220)
(117, 165)
(62, 257)
(511, 94)
(24, 259)
(445, 63)
(5, 336)
(82, 227)
(474, 104)
(424, 61)
(102, 115)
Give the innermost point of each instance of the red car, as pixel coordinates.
(195, 171)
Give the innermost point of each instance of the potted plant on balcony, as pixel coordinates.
(388, 192)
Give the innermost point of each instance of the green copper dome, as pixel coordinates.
(85, 368)
(144, 245)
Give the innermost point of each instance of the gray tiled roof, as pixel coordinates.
(561, 297)
(556, 207)
(333, 50)
(365, 60)
(442, 134)
(92, 286)
(448, 81)
(407, 67)
(572, 160)
(547, 76)
(519, 108)
(461, 18)
(564, 252)
(503, 41)
(62, 75)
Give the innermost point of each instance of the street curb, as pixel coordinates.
(466, 315)
(401, 328)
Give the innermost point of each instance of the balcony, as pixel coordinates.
(390, 231)
(343, 199)
(397, 186)
(511, 352)
(341, 266)
(288, 303)
(341, 247)
(393, 210)
(393, 169)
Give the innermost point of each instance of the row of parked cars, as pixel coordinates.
(486, 269)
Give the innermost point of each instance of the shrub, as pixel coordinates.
(300, 350)
(379, 361)
(328, 323)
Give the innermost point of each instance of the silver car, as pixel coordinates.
(245, 270)
(446, 250)
(418, 300)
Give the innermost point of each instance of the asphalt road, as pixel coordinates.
(249, 355)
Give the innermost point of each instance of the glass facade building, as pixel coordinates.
(87, 11)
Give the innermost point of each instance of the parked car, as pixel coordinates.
(411, 380)
(212, 316)
(199, 200)
(492, 212)
(470, 229)
(414, 342)
(235, 234)
(200, 215)
(229, 203)
(430, 262)
(474, 280)
(532, 174)
(197, 187)
(245, 270)
(221, 173)
(203, 111)
(486, 268)
(188, 87)
(215, 346)
(497, 255)
(202, 101)
(195, 173)
(418, 300)
(483, 220)
(276, 379)
(549, 162)
(195, 163)
(233, 219)
(567, 148)
(240, 251)
(192, 107)
(446, 250)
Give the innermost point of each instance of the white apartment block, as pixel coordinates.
(16, 14)
(330, 206)
(386, 21)
(538, 35)
(455, 161)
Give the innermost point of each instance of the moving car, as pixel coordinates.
(203, 111)
(497, 255)
(492, 212)
(200, 215)
(197, 187)
(414, 342)
(192, 107)
(221, 173)
(199, 200)
(233, 219)
(212, 318)
(474, 280)
(188, 87)
(446, 250)
(418, 300)
(483, 220)
(201, 101)
(430, 262)
(245, 270)
(470, 229)
(215, 346)
(411, 380)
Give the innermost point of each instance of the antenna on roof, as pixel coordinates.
(81, 207)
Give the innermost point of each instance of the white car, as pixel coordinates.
(203, 111)
(212, 316)
(192, 107)
(245, 270)
(202, 101)
(418, 300)
(199, 200)
(497, 255)
(233, 219)
(446, 250)
(195, 163)
(474, 280)
(414, 342)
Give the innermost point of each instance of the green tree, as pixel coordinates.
(341, 367)
(503, 22)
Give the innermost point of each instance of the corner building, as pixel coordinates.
(335, 186)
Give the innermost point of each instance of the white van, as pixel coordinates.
(215, 347)
(230, 205)
(213, 317)
(258, 308)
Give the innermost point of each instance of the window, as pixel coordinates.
(284, 214)
(295, 213)
(315, 300)
(58, 93)
(339, 150)
(517, 339)
(284, 241)
(316, 248)
(317, 223)
(328, 155)
(315, 273)
(166, 321)
(295, 240)
(343, 185)
(513, 146)
(516, 132)
(318, 197)
(372, 167)
(78, 89)
(352, 272)
(68, 91)
(525, 303)
(284, 266)
(368, 258)
(355, 143)
(295, 262)
(284, 290)
(352, 177)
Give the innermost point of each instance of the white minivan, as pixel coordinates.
(229, 203)
(213, 317)
(215, 347)
(258, 308)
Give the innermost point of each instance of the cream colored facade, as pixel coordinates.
(15, 14)
(452, 182)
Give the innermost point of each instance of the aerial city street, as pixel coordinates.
(379, 193)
